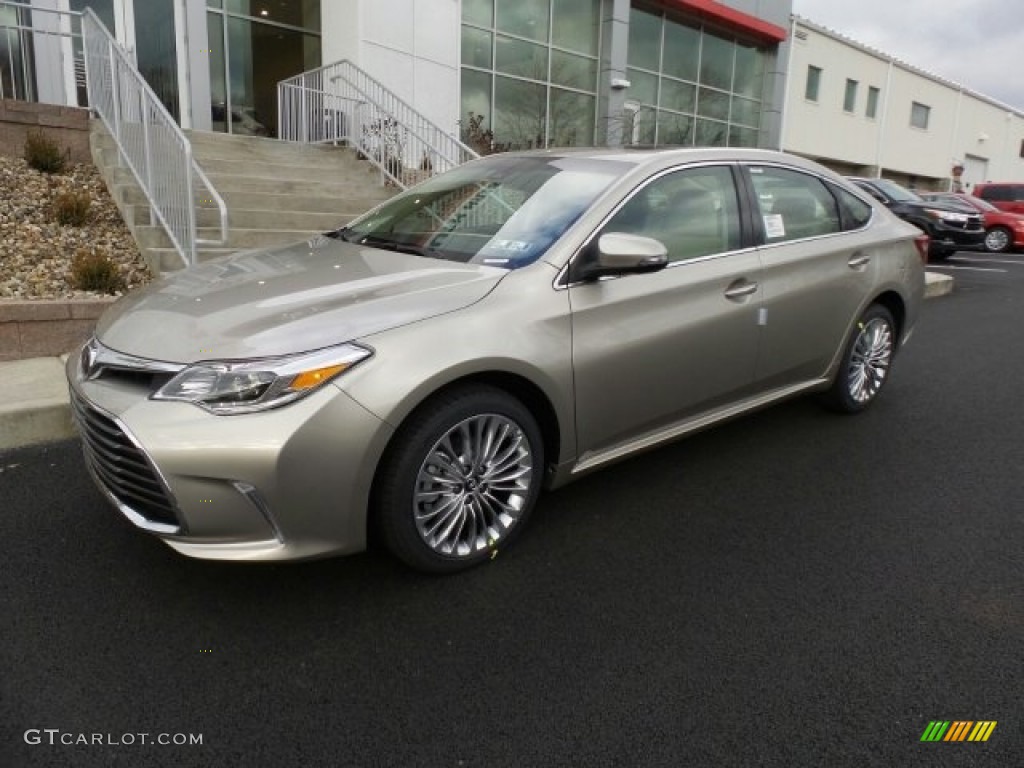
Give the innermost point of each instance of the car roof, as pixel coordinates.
(654, 158)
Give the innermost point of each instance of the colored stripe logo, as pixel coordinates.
(958, 730)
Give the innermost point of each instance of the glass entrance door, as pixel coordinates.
(254, 45)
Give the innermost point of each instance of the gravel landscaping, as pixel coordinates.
(36, 251)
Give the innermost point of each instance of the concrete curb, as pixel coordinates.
(34, 405)
(34, 394)
(937, 285)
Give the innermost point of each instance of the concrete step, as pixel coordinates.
(252, 219)
(348, 175)
(276, 193)
(268, 201)
(342, 186)
(329, 170)
(276, 151)
(156, 237)
(207, 141)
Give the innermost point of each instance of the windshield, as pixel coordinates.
(503, 211)
(896, 192)
(981, 205)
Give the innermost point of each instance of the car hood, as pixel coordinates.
(289, 299)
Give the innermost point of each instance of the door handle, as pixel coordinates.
(739, 289)
(858, 260)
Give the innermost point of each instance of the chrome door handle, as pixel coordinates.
(739, 289)
(858, 260)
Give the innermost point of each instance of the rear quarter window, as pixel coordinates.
(854, 212)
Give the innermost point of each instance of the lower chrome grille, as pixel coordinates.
(121, 467)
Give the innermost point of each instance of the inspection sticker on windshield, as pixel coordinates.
(516, 246)
(774, 226)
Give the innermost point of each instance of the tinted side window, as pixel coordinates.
(999, 194)
(693, 213)
(793, 205)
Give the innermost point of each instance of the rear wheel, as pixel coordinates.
(462, 478)
(998, 240)
(866, 360)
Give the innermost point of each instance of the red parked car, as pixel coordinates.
(1003, 230)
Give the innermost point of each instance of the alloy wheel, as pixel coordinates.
(473, 485)
(870, 359)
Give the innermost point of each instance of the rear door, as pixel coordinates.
(819, 265)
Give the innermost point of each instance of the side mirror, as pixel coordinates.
(618, 253)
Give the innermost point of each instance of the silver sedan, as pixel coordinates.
(512, 324)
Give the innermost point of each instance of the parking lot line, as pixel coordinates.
(966, 269)
(976, 260)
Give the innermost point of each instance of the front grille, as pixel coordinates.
(120, 466)
(972, 224)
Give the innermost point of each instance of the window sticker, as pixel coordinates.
(774, 226)
(513, 246)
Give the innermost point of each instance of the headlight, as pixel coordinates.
(960, 218)
(230, 387)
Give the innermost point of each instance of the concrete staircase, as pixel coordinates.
(276, 192)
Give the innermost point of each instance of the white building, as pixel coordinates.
(863, 112)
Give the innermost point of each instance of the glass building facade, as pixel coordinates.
(531, 69)
(691, 86)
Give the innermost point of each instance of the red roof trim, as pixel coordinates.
(730, 17)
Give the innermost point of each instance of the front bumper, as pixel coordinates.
(288, 483)
(952, 239)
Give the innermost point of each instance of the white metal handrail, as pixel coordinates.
(340, 103)
(148, 139)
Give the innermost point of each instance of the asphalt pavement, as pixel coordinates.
(794, 588)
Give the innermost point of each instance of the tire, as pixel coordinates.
(459, 483)
(866, 361)
(998, 240)
(939, 254)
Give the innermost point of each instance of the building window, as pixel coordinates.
(919, 115)
(813, 83)
(850, 98)
(690, 86)
(872, 110)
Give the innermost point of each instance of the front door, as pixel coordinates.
(652, 350)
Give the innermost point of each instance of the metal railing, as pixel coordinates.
(41, 55)
(149, 140)
(339, 103)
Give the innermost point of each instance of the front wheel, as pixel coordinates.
(460, 481)
(865, 364)
(998, 240)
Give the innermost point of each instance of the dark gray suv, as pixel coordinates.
(949, 228)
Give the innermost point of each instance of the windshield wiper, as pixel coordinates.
(339, 234)
(374, 241)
